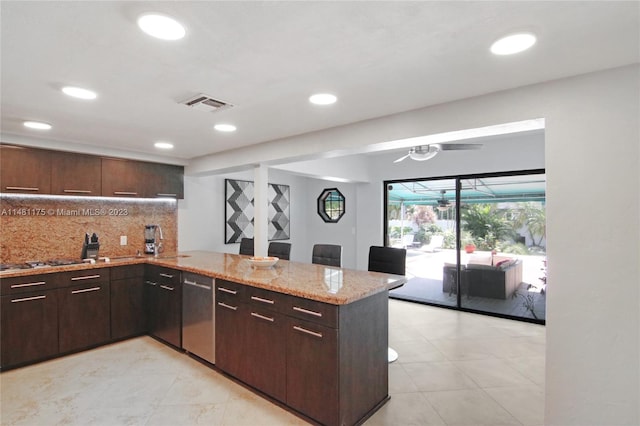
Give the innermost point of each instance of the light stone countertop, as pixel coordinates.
(337, 286)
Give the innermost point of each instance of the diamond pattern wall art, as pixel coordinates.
(239, 211)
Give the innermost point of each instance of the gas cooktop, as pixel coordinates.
(31, 264)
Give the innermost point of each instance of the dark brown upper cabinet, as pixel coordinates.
(25, 170)
(164, 180)
(138, 179)
(75, 174)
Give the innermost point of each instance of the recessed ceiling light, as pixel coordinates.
(161, 26)
(323, 99)
(514, 43)
(225, 127)
(78, 92)
(38, 125)
(163, 145)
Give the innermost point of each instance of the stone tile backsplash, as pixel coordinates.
(50, 227)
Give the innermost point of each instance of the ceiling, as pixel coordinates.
(267, 58)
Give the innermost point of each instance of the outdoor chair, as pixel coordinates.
(436, 243)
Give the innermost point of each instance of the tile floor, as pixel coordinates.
(454, 369)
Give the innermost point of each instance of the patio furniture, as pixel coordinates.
(436, 243)
(495, 282)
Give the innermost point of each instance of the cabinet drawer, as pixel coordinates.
(29, 283)
(266, 299)
(162, 275)
(230, 291)
(87, 276)
(311, 310)
(129, 271)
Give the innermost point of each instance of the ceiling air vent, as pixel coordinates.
(206, 103)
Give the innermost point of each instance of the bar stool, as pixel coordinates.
(388, 260)
(246, 246)
(327, 254)
(279, 250)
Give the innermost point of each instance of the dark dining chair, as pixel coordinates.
(327, 254)
(246, 246)
(388, 260)
(279, 250)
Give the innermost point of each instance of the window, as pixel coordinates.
(331, 205)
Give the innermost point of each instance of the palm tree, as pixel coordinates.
(486, 224)
(533, 216)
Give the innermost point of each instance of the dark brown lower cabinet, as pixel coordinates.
(84, 316)
(163, 299)
(328, 362)
(128, 317)
(312, 369)
(266, 347)
(29, 327)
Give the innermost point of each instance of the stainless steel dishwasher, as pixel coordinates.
(198, 316)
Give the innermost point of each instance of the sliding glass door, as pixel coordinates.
(473, 242)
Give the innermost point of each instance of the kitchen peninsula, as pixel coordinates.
(311, 337)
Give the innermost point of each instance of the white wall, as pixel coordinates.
(343, 232)
(201, 214)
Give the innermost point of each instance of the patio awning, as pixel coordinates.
(519, 188)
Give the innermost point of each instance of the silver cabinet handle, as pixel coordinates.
(166, 287)
(195, 284)
(260, 299)
(21, 188)
(124, 193)
(306, 311)
(159, 194)
(166, 275)
(76, 191)
(85, 277)
(304, 330)
(28, 284)
(226, 290)
(26, 299)
(85, 290)
(150, 283)
(253, 314)
(224, 305)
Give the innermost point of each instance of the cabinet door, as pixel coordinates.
(168, 315)
(29, 327)
(164, 180)
(127, 308)
(25, 170)
(75, 174)
(121, 178)
(84, 316)
(312, 370)
(266, 351)
(230, 336)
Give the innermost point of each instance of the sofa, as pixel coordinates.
(497, 281)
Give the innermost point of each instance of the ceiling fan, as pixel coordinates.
(443, 204)
(425, 152)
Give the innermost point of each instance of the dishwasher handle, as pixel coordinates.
(195, 284)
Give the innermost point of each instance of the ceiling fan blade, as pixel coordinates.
(401, 158)
(459, 146)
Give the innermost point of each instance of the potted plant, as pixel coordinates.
(467, 243)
